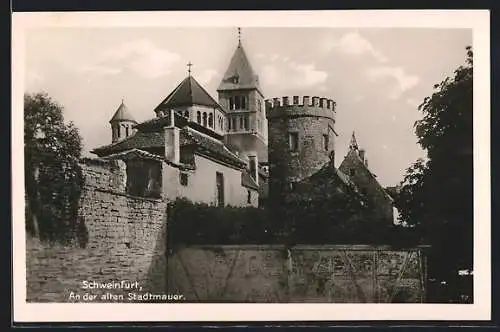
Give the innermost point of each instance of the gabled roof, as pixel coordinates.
(122, 114)
(134, 154)
(211, 146)
(139, 140)
(239, 74)
(188, 93)
(202, 143)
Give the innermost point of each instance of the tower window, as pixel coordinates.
(293, 141)
(237, 104)
(325, 142)
(259, 105)
(126, 131)
(243, 102)
(198, 117)
(234, 124)
(229, 125)
(249, 197)
(211, 120)
(246, 122)
(242, 125)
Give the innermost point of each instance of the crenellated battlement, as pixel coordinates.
(304, 101)
(295, 106)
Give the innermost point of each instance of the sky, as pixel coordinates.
(377, 76)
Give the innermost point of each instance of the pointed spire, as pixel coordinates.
(353, 145)
(239, 74)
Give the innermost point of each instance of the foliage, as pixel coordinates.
(437, 194)
(52, 150)
(307, 223)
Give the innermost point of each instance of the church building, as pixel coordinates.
(196, 147)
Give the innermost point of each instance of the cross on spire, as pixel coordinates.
(239, 36)
(354, 144)
(189, 67)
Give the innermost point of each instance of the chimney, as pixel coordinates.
(172, 133)
(254, 168)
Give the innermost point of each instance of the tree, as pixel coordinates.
(437, 193)
(53, 177)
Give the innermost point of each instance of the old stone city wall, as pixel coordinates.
(321, 274)
(126, 240)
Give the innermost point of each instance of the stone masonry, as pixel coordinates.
(125, 240)
(312, 123)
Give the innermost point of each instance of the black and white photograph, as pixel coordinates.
(237, 160)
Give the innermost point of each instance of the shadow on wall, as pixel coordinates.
(56, 273)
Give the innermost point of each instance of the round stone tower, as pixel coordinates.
(301, 140)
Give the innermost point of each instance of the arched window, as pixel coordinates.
(237, 104)
(198, 117)
(204, 119)
(234, 124)
(246, 123)
(126, 131)
(230, 124)
(242, 125)
(243, 102)
(118, 130)
(211, 120)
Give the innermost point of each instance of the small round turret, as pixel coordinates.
(122, 123)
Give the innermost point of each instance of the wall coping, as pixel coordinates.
(359, 247)
(119, 193)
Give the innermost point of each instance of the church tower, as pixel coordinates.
(240, 94)
(121, 123)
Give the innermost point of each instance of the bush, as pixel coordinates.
(202, 224)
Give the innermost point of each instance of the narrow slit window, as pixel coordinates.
(325, 142)
(294, 141)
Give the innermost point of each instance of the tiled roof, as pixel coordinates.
(139, 140)
(133, 154)
(239, 74)
(189, 92)
(156, 139)
(248, 181)
(122, 114)
(210, 145)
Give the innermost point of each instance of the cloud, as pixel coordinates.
(140, 56)
(354, 44)
(295, 74)
(404, 81)
(412, 102)
(269, 75)
(206, 76)
(308, 75)
(99, 69)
